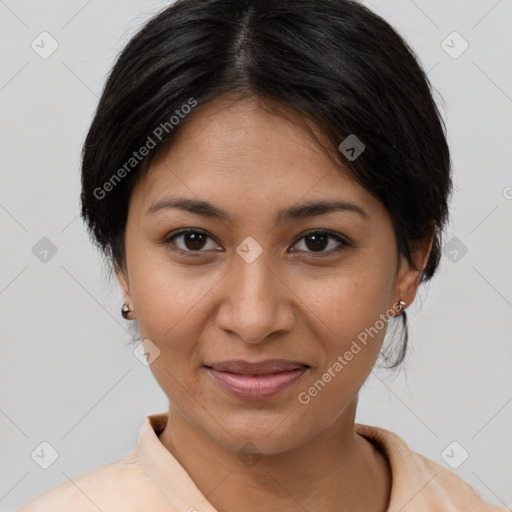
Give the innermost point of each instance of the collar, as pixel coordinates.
(418, 483)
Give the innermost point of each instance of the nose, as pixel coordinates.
(256, 300)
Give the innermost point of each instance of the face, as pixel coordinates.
(264, 280)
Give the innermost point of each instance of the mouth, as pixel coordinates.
(265, 367)
(256, 381)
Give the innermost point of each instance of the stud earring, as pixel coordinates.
(401, 305)
(125, 311)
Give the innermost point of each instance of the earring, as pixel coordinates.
(401, 305)
(125, 311)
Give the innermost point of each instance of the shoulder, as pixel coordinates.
(120, 485)
(449, 488)
(421, 484)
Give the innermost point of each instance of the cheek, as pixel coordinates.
(170, 313)
(349, 299)
(166, 295)
(352, 328)
(169, 310)
(171, 304)
(349, 314)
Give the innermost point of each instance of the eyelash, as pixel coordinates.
(169, 241)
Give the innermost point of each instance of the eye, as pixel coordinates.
(192, 240)
(195, 241)
(318, 240)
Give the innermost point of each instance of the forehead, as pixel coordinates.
(245, 153)
(243, 134)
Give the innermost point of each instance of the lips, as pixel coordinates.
(266, 367)
(256, 381)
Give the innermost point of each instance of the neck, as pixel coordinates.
(332, 471)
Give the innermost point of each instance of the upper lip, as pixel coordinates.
(257, 368)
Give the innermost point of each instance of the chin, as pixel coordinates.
(257, 431)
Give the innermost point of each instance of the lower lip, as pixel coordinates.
(256, 387)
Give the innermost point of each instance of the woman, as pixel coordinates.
(269, 181)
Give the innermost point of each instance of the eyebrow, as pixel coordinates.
(301, 211)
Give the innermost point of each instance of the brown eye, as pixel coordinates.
(190, 241)
(318, 241)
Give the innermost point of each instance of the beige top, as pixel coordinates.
(150, 478)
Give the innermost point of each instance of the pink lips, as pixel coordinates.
(256, 381)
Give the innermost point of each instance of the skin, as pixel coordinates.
(293, 302)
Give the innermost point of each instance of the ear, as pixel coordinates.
(124, 284)
(409, 277)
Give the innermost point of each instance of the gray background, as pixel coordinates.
(67, 374)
